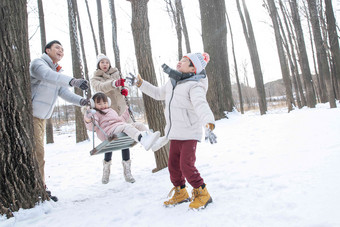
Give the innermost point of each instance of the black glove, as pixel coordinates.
(83, 102)
(174, 74)
(166, 68)
(80, 83)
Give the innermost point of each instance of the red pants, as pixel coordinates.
(181, 165)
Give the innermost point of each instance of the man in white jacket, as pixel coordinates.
(47, 84)
(186, 111)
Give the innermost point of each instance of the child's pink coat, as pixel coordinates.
(108, 122)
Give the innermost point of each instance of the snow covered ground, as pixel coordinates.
(280, 169)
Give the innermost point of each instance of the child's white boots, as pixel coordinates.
(127, 171)
(106, 171)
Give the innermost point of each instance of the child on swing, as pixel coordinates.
(111, 123)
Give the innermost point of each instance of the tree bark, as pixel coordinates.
(235, 66)
(81, 131)
(321, 95)
(333, 42)
(114, 34)
(175, 15)
(184, 25)
(178, 31)
(21, 185)
(294, 63)
(255, 60)
(92, 30)
(291, 64)
(82, 49)
(153, 108)
(42, 25)
(282, 57)
(213, 21)
(101, 27)
(303, 59)
(321, 54)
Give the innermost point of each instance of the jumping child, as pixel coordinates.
(186, 111)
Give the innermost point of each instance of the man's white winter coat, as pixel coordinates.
(46, 85)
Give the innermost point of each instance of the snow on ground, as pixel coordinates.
(280, 169)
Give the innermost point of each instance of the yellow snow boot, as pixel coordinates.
(180, 196)
(200, 198)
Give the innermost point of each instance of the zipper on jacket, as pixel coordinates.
(172, 95)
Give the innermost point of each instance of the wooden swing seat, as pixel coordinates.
(117, 142)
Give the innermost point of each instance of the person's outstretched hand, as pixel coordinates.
(79, 83)
(83, 102)
(209, 135)
(118, 83)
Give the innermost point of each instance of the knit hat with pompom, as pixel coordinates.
(199, 61)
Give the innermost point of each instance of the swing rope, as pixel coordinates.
(127, 101)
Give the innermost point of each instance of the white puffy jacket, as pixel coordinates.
(186, 107)
(46, 85)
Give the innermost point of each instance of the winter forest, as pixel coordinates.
(274, 91)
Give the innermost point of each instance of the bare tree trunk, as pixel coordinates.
(49, 125)
(333, 42)
(290, 60)
(321, 54)
(321, 94)
(179, 7)
(153, 109)
(303, 59)
(93, 34)
(42, 25)
(291, 64)
(179, 32)
(235, 66)
(294, 64)
(174, 14)
(101, 27)
(282, 57)
(114, 34)
(21, 185)
(82, 48)
(255, 60)
(81, 131)
(213, 21)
